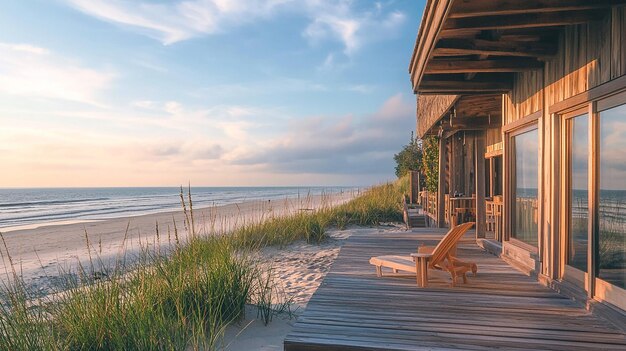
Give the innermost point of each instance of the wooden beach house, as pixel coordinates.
(528, 102)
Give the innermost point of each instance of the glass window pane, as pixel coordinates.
(612, 197)
(526, 187)
(579, 173)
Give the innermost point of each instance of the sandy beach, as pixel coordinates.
(299, 270)
(39, 253)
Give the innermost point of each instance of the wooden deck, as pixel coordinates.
(501, 308)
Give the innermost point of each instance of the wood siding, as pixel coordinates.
(430, 108)
(494, 140)
(588, 55)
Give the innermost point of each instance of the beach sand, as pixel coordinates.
(42, 254)
(299, 270)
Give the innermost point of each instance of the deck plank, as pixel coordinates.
(501, 308)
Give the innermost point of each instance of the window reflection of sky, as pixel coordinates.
(613, 149)
(580, 156)
(526, 156)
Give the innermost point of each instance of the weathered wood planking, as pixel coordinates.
(499, 309)
(584, 60)
(430, 108)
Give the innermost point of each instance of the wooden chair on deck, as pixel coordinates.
(441, 257)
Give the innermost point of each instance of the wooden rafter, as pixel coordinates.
(460, 47)
(481, 66)
(463, 9)
(458, 26)
(428, 86)
(473, 122)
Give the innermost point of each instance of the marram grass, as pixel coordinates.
(181, 298)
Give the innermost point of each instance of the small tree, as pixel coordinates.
(430, 162)
(409, 158)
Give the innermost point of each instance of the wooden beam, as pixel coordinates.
(462, 9)
(464, 87)
(441, 194)
(479, 171)
(458, 26)
(484, 66)
(432, 23)
(473, 123)
(460, 47)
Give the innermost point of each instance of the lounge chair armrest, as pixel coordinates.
(425, 249)
(421, 268)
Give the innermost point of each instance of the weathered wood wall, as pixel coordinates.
(430, 108)
(589, 55)
(493, 140)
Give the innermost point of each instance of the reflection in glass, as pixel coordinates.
(526, 186)
(612, 197)
(578, 172)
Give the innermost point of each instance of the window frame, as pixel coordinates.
(524, 125)
(568, 272)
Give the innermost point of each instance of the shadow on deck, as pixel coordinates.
(501, 308)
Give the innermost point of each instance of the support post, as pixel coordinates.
(479, 162)
(441, 193)
(414, 186)
(492, 178)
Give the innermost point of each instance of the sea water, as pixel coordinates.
(31, 206)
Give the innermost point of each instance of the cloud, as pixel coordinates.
(613, 149)
(222, 145)
(182, 151)
(327, 144)
(178, 20)
(31, 71)
(335, 20)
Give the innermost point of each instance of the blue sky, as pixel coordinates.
(216, 92)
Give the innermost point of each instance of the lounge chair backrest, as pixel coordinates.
(448, 242)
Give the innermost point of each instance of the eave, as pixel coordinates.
(476, 47)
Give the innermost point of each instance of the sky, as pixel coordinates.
(212, 92)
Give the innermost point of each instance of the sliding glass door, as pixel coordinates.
(525, 187)
(611, 236)
(594, 246)
(577, 194)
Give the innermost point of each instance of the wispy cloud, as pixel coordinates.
(31, 71)
(171, 22)
(178, 20)
(338, 20)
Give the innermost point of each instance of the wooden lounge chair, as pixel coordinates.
(441, 257)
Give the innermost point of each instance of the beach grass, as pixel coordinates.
(181, 297)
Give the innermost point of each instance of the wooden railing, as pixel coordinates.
(463, 209)
(494, 209)
(428, 200)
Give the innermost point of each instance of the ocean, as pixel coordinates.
(32, 206)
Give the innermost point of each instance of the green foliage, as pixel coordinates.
(430, 162)
(409, 158)
(377, 205)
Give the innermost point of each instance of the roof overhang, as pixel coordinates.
(444, 115)
(475, 47)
